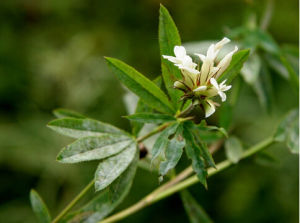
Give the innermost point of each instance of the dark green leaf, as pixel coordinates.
(137, 126)
(193, 152)
(141, 86)
(194, 211)
(111, 168)
(204, 150)
(106, 200)
(77, 128)
(263, 89)
(151, 118)
(39, 207)
(66, 113)
(173, 153)
(162, 141)
(233, 149)
(94, 148)
(235, 66)
(293, 76)
(168, 39)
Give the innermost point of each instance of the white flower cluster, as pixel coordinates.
(200, 83)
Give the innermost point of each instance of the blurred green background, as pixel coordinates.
(51, 55)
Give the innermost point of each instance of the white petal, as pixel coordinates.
(214, 83)
(209, 108)
(221, 43)
(205, 68)
(224, 63)
(222, 95)
(201, 56)
(179, 51)
(201, 88)
(226, 88)
(172, 59)
(211, 52)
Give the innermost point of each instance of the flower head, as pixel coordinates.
(200, 84)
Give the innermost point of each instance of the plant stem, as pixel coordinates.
(155, 196)
(73, 202)
(83, 192)
(153, 132)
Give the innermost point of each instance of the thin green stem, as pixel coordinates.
(153, 132)
(155, 196)
(73, 202)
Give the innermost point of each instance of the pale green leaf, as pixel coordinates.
(173, 153)
(194, 211)
(285, 125)
(93, 148)
(39, 207)
(162, 141)
(66, 113)
(111, 168)
(106, 200)
(77, 128)
(169, 38)
(151, 118)
(233, 149)
(292, 140)
(141, 86)
(235, 66)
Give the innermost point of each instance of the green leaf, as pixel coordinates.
(162, 141)
(106, 200)
(204, 150)
(233, 149)
(169, 38)
(194, 211)
(137, 126)
(193, 152)
(141, 86)
(94, 148)
(111, 168)
(251, 68)
(173, 153)
(39, 207)
(293, 76)
(142, 108)
(292, 140)
(285, 125)
(235, 66)
(151, 118)
(77, 128)
(263, 89)
(66, 113)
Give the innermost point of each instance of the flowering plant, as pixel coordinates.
(168, 103)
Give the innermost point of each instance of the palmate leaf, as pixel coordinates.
(94, 148)
(193, 152)
(77, 128)
(150, 118)
(194, 211)
(152, 95)
(169, 38)
(111, 168)
(66, 113)
(233, 149)
(235, 66)
(173, 152)
(39, 207)
(106, 200)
